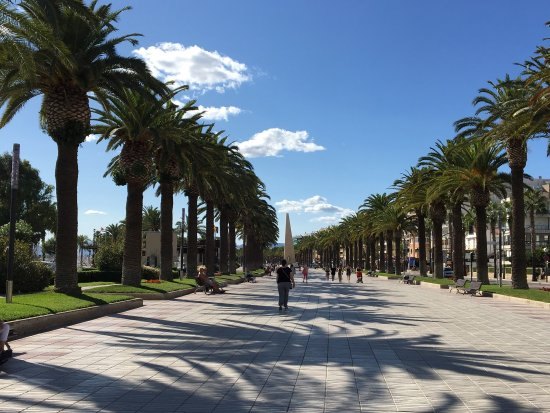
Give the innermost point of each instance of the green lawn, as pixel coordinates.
(48, 302)
(163, 287)
(441, 281)
(531, 294)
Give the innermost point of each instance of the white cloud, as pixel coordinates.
(91, 138)
(201, 69)
(316, 204)
(94, 212)
(271, 142)
(212, 113)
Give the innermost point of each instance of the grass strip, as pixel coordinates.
(147, 288)
(49, 302)
(531, 294)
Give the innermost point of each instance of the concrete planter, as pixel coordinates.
(433, 285)
(157, 296)
(34, 325)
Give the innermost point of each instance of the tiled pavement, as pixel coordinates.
(377, 347)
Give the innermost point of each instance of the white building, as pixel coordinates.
(150, 248)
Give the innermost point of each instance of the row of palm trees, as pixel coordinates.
(65, 51)
(457, 174)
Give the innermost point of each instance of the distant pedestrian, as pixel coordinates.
(340, 271)
(305, 273)
(285, 281)
(327, 273)
(348, 273)
(333, 272)
(359, 274)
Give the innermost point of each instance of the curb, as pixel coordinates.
(169, 295)
(433, 285)
(522, 300)
(33, 325)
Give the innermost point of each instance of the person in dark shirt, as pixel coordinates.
(285, 280)
(333, 272)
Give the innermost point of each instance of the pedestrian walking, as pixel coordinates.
(333, 272)
(340, 271)
(285, 281)
(5, 349)
(348, 273)
(327, 273)
(305, 273)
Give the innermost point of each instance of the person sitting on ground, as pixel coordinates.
(207, 281)
(250, 278)
(5, 349)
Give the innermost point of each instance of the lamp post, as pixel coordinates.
(546, 259)
(181, 245)
(499, 249)
(13, 218)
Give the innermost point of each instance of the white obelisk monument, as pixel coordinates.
(289, 245)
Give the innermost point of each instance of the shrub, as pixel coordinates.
(92, 275)
(109, 256)
(28, 275)
(150, 273)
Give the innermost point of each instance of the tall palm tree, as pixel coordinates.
(132, 120)
(375, 204)
(63, 50)
(500, 102)
(475, 171)
(411, 195)
(535, 203)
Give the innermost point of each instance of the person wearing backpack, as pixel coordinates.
(285, 281)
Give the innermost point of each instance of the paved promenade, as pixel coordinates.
(376, 347)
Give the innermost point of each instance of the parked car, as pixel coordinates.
(448, 272)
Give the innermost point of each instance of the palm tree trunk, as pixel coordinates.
(166, 232)
(458, 237)
(210, 240)
(398, 263)
(224, 242)
(481, 244)
(372, 242)
(360, 253)
(232, 247)
(381, 255)
(422, 243)
(438, 249)
(518, 259)
(192, 198)
(66, 176)
(533, 241)
(131, 263)
(389, 242)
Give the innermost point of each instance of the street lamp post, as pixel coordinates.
(13, 218)
(499, 250)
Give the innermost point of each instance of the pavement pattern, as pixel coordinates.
(341, 347)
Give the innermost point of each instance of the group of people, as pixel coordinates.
(330, 273)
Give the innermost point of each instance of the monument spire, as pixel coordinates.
(289, 244)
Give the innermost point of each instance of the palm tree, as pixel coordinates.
(132, 120)
(63, 50)
(151, 218)
(115, 231)
(535, 203)
(500, 102)
(476, 171)
(83, 244)
(412, 196)
(375, 204)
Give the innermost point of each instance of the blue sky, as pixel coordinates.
(331, 101)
